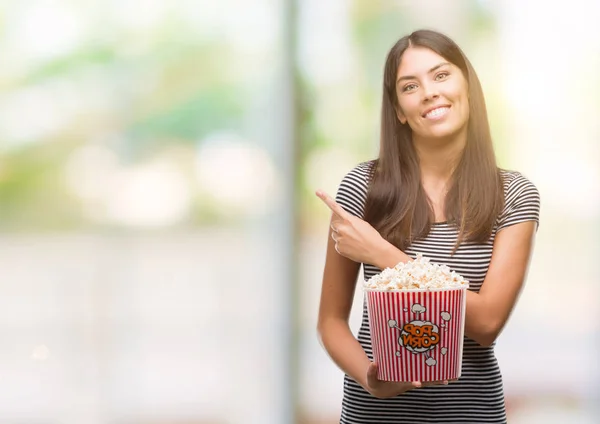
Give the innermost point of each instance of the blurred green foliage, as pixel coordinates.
(176, 90)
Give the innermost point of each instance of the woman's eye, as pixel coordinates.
(409, 87)
(441, 76)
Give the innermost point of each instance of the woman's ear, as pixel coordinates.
(400, 116)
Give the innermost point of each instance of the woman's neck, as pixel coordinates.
(438, 159)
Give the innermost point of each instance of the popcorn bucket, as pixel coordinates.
(417, 334)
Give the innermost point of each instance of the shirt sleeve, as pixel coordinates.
(522, 203)
(352, 191)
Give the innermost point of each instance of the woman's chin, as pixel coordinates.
(439, 137)
(444, 133)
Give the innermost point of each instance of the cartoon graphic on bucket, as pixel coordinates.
(417, 335)
(421, 336)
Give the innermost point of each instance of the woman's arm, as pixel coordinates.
(337, 293)
(339, 282)
(489, 310)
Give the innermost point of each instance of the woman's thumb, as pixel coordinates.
(372, 371)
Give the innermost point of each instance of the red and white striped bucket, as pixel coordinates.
(417, 335)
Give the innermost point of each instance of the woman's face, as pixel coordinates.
(432, 95)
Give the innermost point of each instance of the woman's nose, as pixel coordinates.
(430, 92)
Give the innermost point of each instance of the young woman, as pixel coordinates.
(434, 189)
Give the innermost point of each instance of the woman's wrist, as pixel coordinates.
(390, 256)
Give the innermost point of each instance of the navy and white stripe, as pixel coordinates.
(477, 397)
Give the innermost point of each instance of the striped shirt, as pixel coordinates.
(477, 397)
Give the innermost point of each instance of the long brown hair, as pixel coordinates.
(397, 205)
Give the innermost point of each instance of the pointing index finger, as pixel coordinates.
(335, 207)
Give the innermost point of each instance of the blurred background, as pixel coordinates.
(161, 248)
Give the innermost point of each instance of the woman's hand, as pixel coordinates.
(387, 389)
(354, 238)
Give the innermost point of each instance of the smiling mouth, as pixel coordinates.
(437, 112)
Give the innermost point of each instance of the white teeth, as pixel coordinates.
(437, 112)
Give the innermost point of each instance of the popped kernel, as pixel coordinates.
(417, 274)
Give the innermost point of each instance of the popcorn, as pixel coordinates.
(417, 274)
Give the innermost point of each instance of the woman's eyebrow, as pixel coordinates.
(408, 77)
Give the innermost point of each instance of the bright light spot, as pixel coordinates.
(325, 168)
(326, 45)
(40, 353)
(47, 29)
(140, 14)
(574, 199)
(253, 27)
(29, 114)
(236, 174)
(149, 195)
(90, 172)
